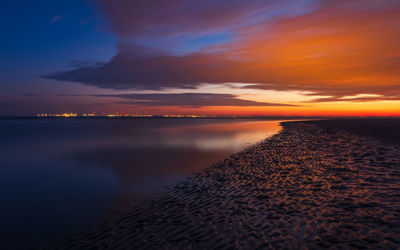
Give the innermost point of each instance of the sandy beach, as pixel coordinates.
(318, 184)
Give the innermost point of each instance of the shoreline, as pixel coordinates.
(308, 186)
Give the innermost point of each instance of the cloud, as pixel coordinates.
(143, 68)
(331, 48)
(56, 18)
(31, 94)
(188, 100)
(160, 18)
(5, 103)
(359, 98)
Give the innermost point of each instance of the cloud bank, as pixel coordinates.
(188, 100)
(332, 48)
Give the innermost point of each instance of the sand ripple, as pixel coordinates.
(307, 187)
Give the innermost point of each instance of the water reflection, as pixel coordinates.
(144, 162)
(227, 137)
(58, 176)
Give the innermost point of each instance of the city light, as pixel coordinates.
(123, 115)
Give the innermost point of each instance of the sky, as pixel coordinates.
(225, 57)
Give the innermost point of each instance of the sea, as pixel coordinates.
(60, 176)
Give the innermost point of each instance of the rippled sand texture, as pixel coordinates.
(307, 187)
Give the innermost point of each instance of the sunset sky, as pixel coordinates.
(225, 57)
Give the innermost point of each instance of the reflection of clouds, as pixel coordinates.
(230, 137)
(153, 154)
(235, 125)
(227, 136)
(227, 143)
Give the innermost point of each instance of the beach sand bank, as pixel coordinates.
(313, 185)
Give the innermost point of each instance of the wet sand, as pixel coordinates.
(310, 186)
(385, 130)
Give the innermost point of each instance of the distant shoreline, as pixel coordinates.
(199, 117)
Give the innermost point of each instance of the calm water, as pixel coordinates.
(61, 175)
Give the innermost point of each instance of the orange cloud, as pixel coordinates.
(328, 50)
(339, 49)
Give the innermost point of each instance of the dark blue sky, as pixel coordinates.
(45, 36)
(51, 32)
